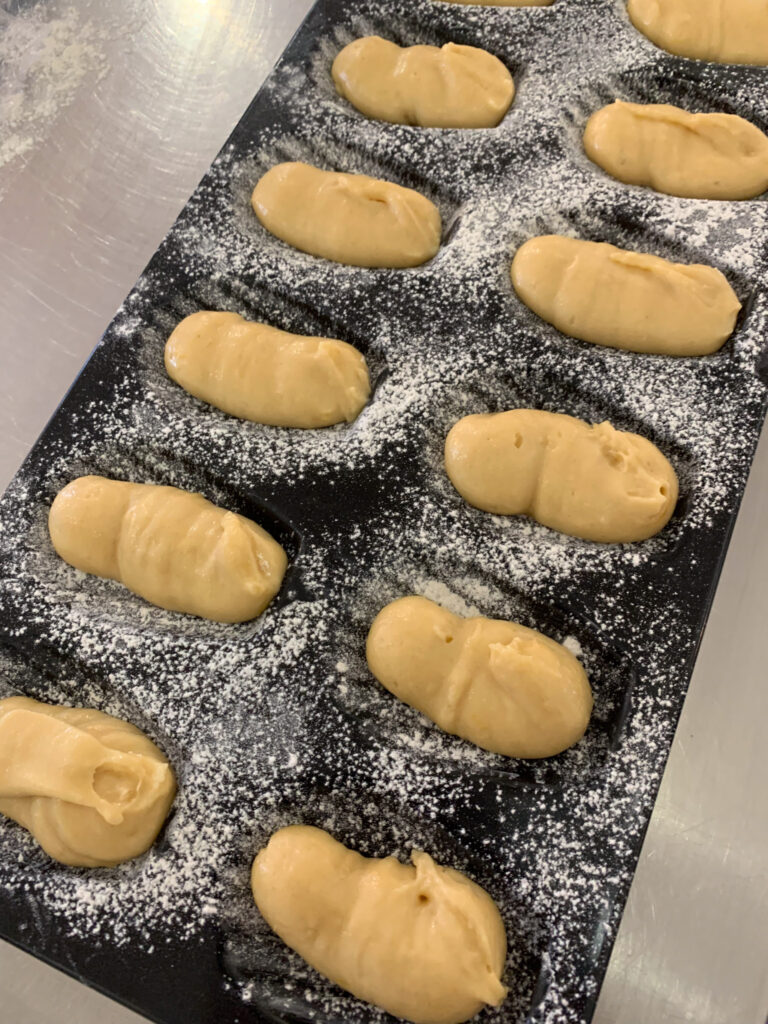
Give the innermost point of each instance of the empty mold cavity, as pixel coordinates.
(379, 719)
(282, 987)
(106, 603)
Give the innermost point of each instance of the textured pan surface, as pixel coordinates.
(278, 720)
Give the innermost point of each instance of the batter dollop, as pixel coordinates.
(421, 941)
(93, 790)
(447, 86)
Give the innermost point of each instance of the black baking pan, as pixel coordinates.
(278, 720)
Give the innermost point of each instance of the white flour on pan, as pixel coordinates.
(278, 720)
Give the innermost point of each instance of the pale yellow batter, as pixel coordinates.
(501, 686)
(697, 156)
(435, 87)
(591, 482)
(726, 31)
(92, 789)
(422, 942)
(260, 373)
(348, 218)
(630, 300)
(171, 547)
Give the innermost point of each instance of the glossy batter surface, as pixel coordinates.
(592, 482)
(93, 790)
(435, 87)
(347, 218)
(171, 547)
(501, 686)
(696, 156)
(260, 373)
(629, 300)
(421, 941)
(725, 31)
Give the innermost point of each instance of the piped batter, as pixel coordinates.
(696, 156)
(421, 941)
(503, 687)
(348, 218)
(623, 299)
(725, 31)
(447, 86)
(260, 373)
(92, 789)
(593, 482)
(171, 547)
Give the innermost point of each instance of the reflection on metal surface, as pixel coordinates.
(44, 59)
(114, 111)
(154, 86)
(693, 945)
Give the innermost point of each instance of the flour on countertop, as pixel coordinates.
(46, 53)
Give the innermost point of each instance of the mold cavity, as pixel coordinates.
(449, 639)
(423, 898)
(451, 227)
(518, 441)
(664, 491)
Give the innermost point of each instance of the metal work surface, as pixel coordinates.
(103, 161)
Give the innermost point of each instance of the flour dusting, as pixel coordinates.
(45, 55)
(278, 720)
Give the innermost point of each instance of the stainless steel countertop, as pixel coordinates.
(109, 115)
